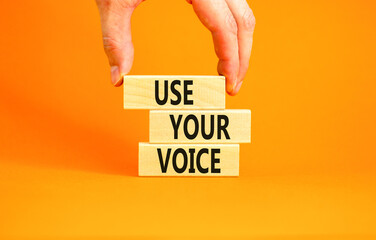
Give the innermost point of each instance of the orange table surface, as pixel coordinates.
(68, 151)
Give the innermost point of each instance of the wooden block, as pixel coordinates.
(188, 159)
(186, 126)
(183, 92)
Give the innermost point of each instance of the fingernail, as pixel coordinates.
(237, 88)
(115, 75)
(230, 87)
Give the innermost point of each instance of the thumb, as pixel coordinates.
(117, 40)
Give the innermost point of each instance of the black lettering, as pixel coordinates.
(192, 162)
(175, 125)
(223, 127)
(176, 92)
(187, 134)
(199, 167)
(210, 135)
(187, 92)
(185, 158)
(159, 101)
(215, 160)
(165, 165)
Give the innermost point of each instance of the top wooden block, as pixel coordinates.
(183, 92)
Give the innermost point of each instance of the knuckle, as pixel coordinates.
(248, 20)
(110, 44)
(231, 23)
(129, 3)
(104, 3)
(118, 3)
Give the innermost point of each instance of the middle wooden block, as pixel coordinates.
(200, 126)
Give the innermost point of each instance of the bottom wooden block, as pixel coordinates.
(188, 159)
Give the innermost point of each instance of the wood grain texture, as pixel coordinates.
(169, 126)
(208, 92)
(149, 161)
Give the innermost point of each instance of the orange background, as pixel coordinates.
(68, 151)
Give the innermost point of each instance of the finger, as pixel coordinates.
(117, 39)
(245, 21)
(217, 17)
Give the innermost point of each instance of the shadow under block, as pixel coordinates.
(188, 159)
(186, 126)
(183, 92)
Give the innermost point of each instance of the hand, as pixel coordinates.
(231, 23)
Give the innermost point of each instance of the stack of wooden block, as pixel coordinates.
(191, 133)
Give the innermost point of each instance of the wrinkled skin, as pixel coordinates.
(231, 23)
